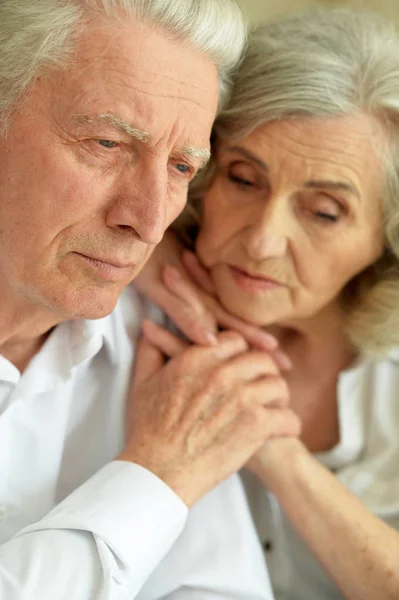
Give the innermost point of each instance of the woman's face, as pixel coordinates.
(292, 215)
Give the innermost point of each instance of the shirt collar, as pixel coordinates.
(87, 337)
(70, 344)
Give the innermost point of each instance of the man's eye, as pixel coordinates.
(107, 143)
(182, 168)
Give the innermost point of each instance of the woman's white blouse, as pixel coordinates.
(366, 461)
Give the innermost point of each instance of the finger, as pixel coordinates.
(188, 310)
(226, 388)
(281, 359)
(267, 423)
(268, 391)
(190, 370)
(251, 428)
(148, 361)
(200, 361)
(257, 338)
(254, 335)
(220, 409)
(241, 369)
(199, 274)
(168, 343)
(185, 319)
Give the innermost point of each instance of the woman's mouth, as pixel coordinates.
(253, 283)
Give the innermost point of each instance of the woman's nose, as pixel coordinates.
(268, 234)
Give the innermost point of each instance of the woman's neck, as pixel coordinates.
(319, 350)
(317, 342)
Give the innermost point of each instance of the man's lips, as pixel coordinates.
(112, 262)
(251, 282)
(110, 269)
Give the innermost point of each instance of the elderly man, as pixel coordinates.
(106, 109)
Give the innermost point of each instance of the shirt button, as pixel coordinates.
(267, 546)
(3, 512)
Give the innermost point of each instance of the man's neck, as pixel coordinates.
(23, 331)
(21, 353)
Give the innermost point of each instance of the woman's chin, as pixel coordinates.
(257, 307)
(252, 313)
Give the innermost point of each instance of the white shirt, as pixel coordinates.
(77, 525)
(366, 461)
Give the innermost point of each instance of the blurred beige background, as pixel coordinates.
(260, 10)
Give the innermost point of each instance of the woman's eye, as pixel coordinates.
(107, 143)
(242, 174)
(333, 218)
(240, 180)
(326, 209)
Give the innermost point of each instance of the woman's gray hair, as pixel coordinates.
(330, 62)
(36, 35)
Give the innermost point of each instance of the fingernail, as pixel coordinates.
(190, 255)
(267, 341)
(210, 338)
(286, 362)
(173, 272)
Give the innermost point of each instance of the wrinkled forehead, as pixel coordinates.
(350, 144)
(135, 72)
(144, 51)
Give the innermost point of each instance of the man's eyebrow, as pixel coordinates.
(117, 122)
(249, 155)
(193, 152)
(138, 134)
(333, 185)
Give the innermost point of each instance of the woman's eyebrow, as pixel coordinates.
(333, 185)
(312, 183)
(250, 156)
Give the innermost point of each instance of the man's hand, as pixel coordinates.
(198, 418)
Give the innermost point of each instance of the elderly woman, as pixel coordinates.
(299, 234)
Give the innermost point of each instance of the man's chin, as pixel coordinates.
(89, 306)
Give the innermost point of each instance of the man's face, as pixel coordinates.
(97, 165)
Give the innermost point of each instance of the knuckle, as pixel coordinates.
(255, 416)
(232, 336)
(220, 379)
(274, 388)
(186, 361)
(283, 388)
(269, 364)
(296, 423)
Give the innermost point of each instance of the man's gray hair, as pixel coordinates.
(36, 35)
(330, 62)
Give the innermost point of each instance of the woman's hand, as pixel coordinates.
(181, 287)
(270, 460)
(165, 281)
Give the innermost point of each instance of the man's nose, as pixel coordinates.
(268, 234)
(142, 204)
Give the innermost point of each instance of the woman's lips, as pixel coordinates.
(253, 283)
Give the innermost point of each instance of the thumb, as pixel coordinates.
(148, 361)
